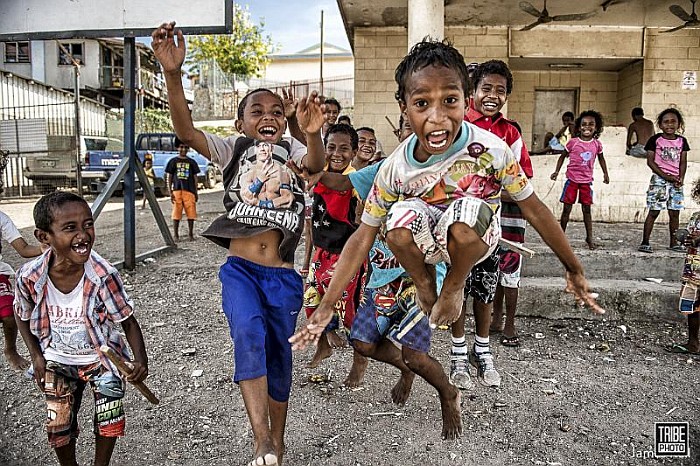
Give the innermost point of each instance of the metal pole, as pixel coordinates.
(78, 158)
(321, 76)
(129, 151)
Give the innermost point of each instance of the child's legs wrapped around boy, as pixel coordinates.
(420, 234)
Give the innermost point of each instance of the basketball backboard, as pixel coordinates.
(70, 19)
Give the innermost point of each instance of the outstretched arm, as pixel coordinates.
(560, 162)
(310, 117)
(353, 255)
(171, 55)
(541, 218)
(24, 249)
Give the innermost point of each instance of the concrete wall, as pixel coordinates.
(653, 83)
(308, 69)
(62, 75)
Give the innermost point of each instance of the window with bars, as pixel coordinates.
(76, 50)
(17, 52)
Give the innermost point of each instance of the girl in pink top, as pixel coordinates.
(667, 156)
(582, 151)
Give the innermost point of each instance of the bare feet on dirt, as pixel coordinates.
(402, 389)
(15, 360)
(451, 414)
(264, 455)
(357, 371)
(447, 307)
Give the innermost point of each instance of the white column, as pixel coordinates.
(425, 18)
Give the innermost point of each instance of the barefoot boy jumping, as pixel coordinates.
(261, 291)
(439, 194)
(67, 303)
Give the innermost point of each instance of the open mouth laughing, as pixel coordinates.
(437, 140)
(82, 248)
(268, 132)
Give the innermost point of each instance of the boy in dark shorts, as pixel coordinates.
(67, 303)
(261, 291)
(439, 193)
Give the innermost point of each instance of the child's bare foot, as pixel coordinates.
(265, 455)
(357, 371)
(15, 360)
(451, 414)
(323, 350)
(496, 323)
(402, 389)
(190, 237)
(335, 340)
(447, 307)
(592, 245)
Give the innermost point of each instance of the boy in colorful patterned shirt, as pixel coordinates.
(68, 302)
(439, 193)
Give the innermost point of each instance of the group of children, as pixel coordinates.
(434, 212)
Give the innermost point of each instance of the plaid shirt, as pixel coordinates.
(104, 302)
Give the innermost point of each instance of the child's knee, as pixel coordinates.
(364, 348)
(399, 238)
(463, 235)
(415, 360)
(654, 213)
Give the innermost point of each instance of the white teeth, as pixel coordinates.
(437, 146)
(438, 133)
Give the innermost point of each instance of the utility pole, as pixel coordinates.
(321, 76)
(76, 86)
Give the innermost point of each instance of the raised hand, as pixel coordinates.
(290, 103)
(311, 113)
(169, 53)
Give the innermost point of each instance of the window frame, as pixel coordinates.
(69, 46)
(18, 58)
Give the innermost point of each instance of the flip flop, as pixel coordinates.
(677, 248)
(512, 342)
(645, 248)
(680, 349)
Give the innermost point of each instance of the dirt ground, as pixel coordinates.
(577, 392)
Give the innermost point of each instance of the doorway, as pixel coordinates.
(549, 106)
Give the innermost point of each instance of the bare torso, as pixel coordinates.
(643, 129)
(261, 249)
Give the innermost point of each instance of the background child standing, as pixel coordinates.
(181, 183)
(582, 150)
(10, 233)
(667, 156)
(689, 303)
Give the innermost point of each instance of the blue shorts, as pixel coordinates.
(262, 305)
(392, 312)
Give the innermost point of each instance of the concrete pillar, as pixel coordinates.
(425, 18)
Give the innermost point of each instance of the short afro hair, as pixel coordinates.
(49, 204)
(598, 123)
(430, 52)
(493, 67)
(343, 129)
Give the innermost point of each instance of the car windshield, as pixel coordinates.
(95, 144)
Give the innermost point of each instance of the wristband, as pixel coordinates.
(256, 186)
(266, 204)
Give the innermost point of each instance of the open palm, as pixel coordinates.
(310, 113)
(169, 53)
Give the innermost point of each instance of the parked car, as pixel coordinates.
(58, 165)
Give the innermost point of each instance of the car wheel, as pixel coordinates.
(210, 179)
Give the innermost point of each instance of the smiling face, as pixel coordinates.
(490, 94)
(339, 152)
(434, 105)
(72, 232)
(264, 151)
(587, 129)
(332, 112)
(182, 151)
(263, 117)
(669, 124)
(368, 145)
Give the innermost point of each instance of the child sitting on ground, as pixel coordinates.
(68, 301)
(667, 156)
(333, 221)
(261, 291)
(583, 150)
(439, 193)
(10, 233)
(689, 303)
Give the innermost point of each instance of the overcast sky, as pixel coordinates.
(294, 25)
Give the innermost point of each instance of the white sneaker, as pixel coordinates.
(486, 372)
(459, 372)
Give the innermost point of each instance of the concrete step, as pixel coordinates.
(625, 300)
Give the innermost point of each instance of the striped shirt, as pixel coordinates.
(105, 303)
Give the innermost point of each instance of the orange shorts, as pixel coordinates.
(184, 200)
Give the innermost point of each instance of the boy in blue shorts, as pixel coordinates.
(264, 220)
(68, 302)
(439, 194)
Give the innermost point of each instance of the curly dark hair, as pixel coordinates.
(49, 204)
(493, 67)
(343, 129)
(430, 52)
(335, 102)
(675, 111)
(244, 100)
(598, 123)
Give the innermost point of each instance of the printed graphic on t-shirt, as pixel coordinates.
(68, 331)
(182, 170)
(265, 192)
(670, 154)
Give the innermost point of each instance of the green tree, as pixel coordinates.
(243, 53)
